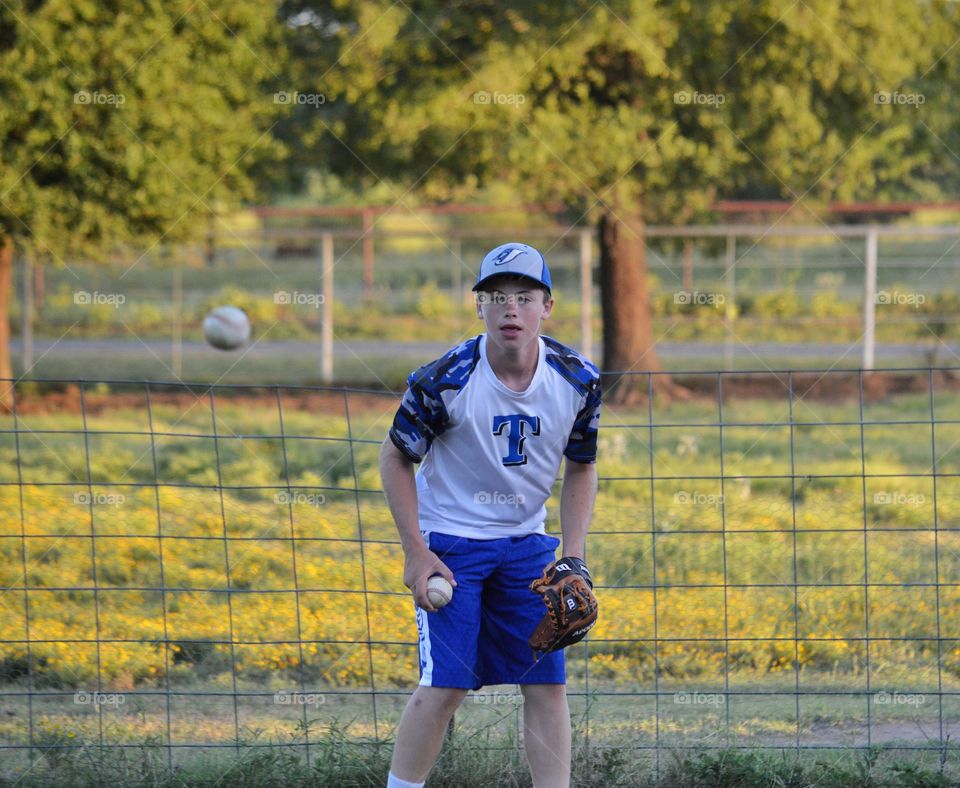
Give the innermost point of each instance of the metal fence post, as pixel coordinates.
(730, 312)
(586, 293)
(326, 314)
(870, 299)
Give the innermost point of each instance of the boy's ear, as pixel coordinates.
(547, 306)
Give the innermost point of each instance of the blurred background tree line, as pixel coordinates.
(127, 125)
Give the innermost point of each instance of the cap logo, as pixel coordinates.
(507, 255)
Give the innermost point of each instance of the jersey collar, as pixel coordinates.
(499, 384)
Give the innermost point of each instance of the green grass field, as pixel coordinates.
(736, 585)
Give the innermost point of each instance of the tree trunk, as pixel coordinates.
(628, 341)
(6, 285)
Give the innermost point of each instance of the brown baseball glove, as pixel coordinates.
(567, 591)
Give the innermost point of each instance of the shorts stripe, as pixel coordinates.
(423, 632)
(426, 652)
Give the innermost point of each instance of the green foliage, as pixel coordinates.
(342, 760)
(666, 105)
(434, 305)
(783, 304)
(739, 769)
(129, 126)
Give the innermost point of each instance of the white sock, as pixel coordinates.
(396, 782)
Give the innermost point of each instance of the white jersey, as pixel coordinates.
(489, 455)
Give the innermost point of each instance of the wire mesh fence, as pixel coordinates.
(200, 568)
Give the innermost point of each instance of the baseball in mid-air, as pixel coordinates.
(439, 591)
(227, 328)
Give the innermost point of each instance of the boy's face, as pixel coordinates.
(512, 311)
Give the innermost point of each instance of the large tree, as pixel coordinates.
(627, 112)
(123, 123)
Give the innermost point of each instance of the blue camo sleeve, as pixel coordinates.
(420, 418)
(422, 415)
(582, 444)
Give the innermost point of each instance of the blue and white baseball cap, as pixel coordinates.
(514, 259)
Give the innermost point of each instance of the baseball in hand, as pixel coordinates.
(439, 591)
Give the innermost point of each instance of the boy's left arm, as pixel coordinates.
(577, 496)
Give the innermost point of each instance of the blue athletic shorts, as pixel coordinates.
(480, 638)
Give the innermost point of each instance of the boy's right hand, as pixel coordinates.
(420, 566)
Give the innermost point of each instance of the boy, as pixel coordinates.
(490, 422)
